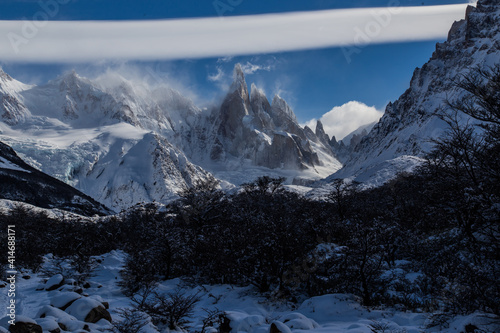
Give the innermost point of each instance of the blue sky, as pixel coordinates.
(313, 81)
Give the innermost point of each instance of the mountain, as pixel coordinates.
(143, 170)
(21, 182)
(248, 127)
(355, 137)
(12, 110)
(409, 124)
(109, 137)
(123, 142)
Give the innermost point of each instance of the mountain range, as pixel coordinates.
(122, 142)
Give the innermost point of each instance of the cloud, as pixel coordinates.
(216, 77)
(342, 120)
(142, 78)
(224, 59)
(79, 41)
(250, 68)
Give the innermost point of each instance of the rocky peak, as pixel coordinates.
(234, 108)
(256, 93)
(261, 109)
(281, 108)
(320, 133)
(70, 81)
(4, 76)
(12, 109)
(310, 135)
(239, 84)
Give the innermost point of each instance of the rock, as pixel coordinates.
(64, 300)
(54, 282)
(25, 325)
(321, 134)
(49, 324)
(22, 324)
(65, 321)
(97, 314)
(21, 327)
(88, 310)
(225, 324)
(469, 328)
(266, 134)
(298, 321)
(279, 327)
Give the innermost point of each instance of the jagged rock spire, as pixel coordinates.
(321, 134)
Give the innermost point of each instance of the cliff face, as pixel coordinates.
(268, 134)
(409, 124)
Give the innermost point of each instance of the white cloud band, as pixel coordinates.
(69, 41)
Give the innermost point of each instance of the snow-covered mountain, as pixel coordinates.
(12, 110)
(409, 124)
(123, 142)
(268, 134)
(355, 137)
(106, 138)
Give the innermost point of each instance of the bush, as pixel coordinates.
(171, 309)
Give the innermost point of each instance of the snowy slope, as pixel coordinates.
(150, 169)
(409, 123)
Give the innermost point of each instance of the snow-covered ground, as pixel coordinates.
(247, 310)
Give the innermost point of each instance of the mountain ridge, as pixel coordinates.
(410, 123)
(23, 183)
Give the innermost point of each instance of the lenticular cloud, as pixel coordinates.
(68, 41)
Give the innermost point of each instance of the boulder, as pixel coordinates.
(49, 325)
(279, 327)
(25, 325)
(88, 310)
(54, 282)
(21, 327)
(97, 314)
(64, 300)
